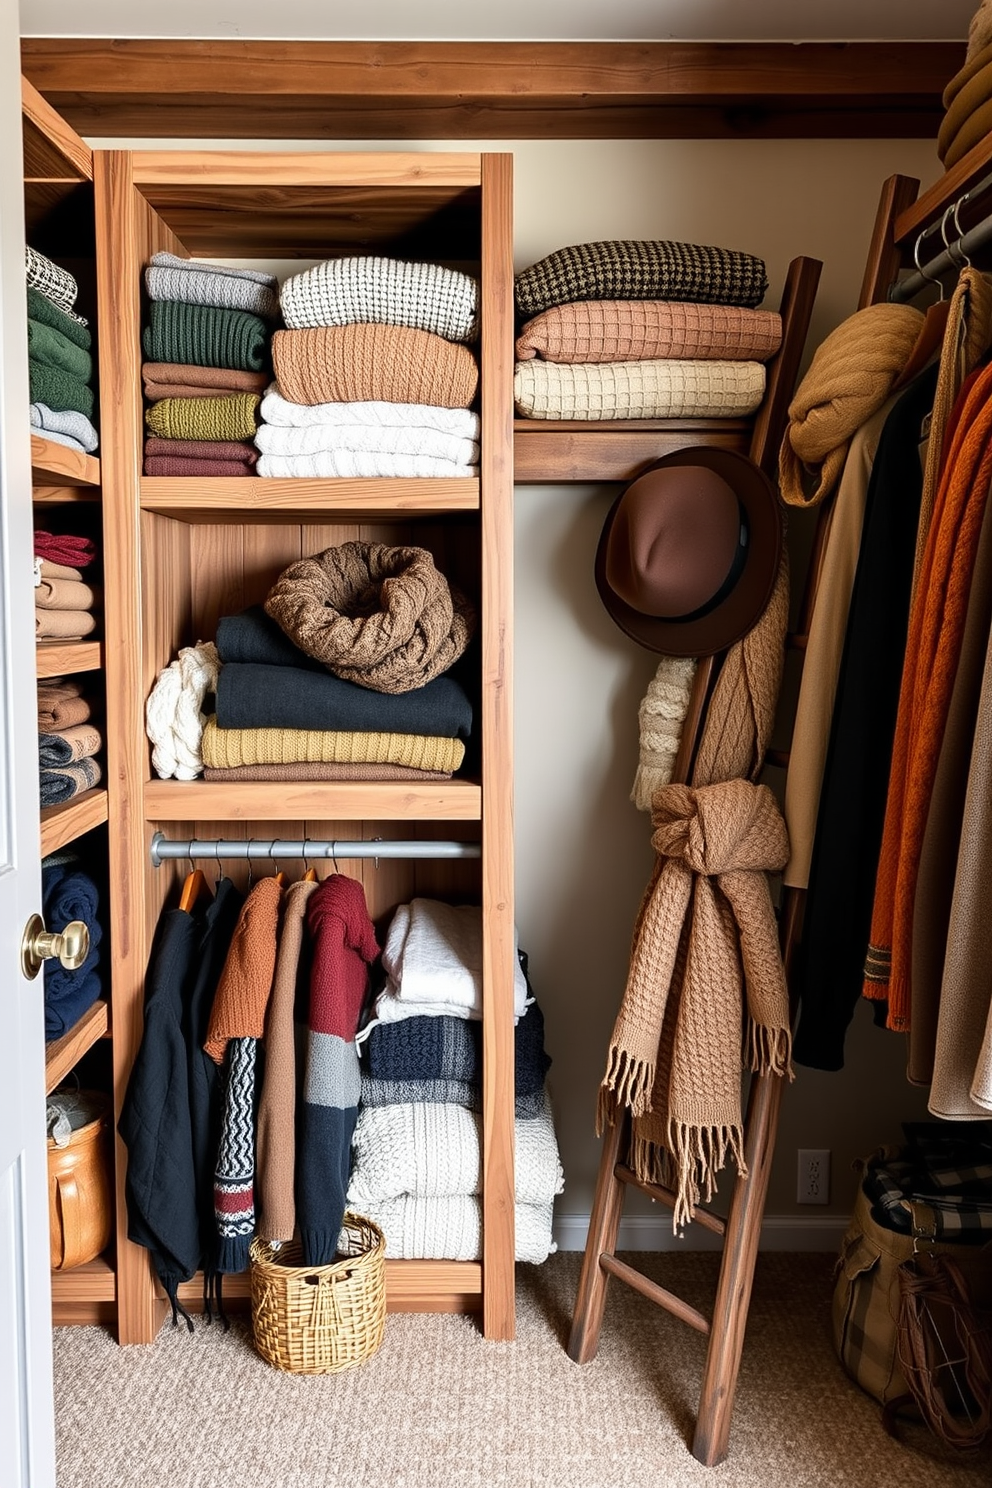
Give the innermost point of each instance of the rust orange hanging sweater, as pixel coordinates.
(932, 650)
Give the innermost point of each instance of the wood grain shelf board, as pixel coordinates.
(58, 465)
(51, 148)
(415, 90)
(64, 495)
(61, 825)
(94, 1281)
(65, 658)
(258, 800)
(552, 452)
(63, 1054)
(252, 499)
(411, 1286)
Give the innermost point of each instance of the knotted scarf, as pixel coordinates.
(705, 964)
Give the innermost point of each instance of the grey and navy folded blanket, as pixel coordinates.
(67, 893)
(259, 695)
(639, 270)
(62, 784)
(447, 1049)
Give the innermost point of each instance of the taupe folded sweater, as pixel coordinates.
(640, 330)
(365, 362)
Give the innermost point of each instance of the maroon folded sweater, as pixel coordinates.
(201, 449)
(162, 465)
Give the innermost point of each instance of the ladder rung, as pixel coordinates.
(653, 1292)
(708, 1220)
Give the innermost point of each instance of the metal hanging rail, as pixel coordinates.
(955, 252)
(164, 848)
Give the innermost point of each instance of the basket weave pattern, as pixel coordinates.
(320, 1319)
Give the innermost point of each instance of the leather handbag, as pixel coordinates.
(80, 1199)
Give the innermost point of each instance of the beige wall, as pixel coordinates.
(582, 849)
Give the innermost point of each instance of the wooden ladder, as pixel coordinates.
(740, 1231)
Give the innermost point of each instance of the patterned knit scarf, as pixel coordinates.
(705, 964)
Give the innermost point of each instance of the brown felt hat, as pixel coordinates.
(690, 551)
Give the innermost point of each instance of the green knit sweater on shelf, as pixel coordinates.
(204, 336)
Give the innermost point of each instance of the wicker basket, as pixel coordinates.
(320, 1319)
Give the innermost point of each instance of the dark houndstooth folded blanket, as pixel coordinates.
(625, 270)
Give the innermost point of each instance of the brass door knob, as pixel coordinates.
(71, 945)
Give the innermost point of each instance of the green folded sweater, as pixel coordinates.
(50, 347)
(59, 389)
(230, 417)
(204, 336)
(41, 308)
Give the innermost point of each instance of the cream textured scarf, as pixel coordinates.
(706, 978)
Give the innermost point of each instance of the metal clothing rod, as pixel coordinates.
(163, 848)
(954, 256)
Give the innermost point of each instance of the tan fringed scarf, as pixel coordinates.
(705, 964)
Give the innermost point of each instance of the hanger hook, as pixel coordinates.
(963, 261)
(220, 865)
(919, 267)
(251, 871)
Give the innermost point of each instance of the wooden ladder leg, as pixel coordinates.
(604, 1226)
(733, 1296)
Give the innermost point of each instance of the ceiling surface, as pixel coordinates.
(510, 20)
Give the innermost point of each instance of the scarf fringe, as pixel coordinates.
(689, 1164)
(769, 1050)
(630, 1081)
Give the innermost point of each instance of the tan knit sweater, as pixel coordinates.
(373, 363)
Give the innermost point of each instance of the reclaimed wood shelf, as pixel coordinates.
(411, 1286)
(66, 658)
(62, 824)
(94, 1281)
(551, 451)
(57, 465)
(252, 499)
(308, 800)
(62, 1054)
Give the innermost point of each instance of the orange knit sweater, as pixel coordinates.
(239, 1004)
(933, 646)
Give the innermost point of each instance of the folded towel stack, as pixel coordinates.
(416, 1163)
(207, 344)
(68, 893)
(60, 360)
(64, 603)
(68, 740)
(373, 374)
(632, 330)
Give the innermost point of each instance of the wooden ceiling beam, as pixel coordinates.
(493, 90)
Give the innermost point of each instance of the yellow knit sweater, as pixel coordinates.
(224, 748)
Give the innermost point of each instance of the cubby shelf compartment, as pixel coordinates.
(61, 825)
(63, 1054)
(66, 658)
(58, 465)
(549, 452)
(252, 499)
(90, 1283)
(259, 800)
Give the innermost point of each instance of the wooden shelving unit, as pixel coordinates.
(57, 465)
(549, 452)
(63, 1054)
(65, 658)
(256, 800)
(250, 498)
(61, 825)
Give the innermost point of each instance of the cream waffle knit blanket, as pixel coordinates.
(635, 390)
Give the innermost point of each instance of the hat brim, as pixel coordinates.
(737, 613)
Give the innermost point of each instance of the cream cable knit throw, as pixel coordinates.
(850, 376)
(706, 925)
(661, 716)
(173, 718)
(404, 441)
(450, 1229)
(461, 423)
(630, 390)
(368, 464)
(345, 290)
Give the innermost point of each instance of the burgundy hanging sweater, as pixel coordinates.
(344, 945)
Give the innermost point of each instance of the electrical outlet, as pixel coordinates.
(813, 1176)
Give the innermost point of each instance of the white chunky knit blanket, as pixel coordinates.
(173, 717)
(368, 464)
(345, 291)
(272, 439)
(461, 423)
(432, 1151)
(661, 716)
(450, 1229)
(635, 390)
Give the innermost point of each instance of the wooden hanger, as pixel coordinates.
(928, 343)
(310, 876)
(193, 889)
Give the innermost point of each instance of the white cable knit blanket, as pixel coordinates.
(631, 390)
(173, 718)
(273, 439)
(450, 1229)
(343, 291)
(433, 959)
(368, 464)
(431, 1151)
(464, 423)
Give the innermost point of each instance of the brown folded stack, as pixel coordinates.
(68, 741)
(63, 604)
(214, 454)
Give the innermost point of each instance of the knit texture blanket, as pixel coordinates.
(206, 336)
(968, 101)
(64, 782)
(441, 1092)
(231, 417)
(190, 282)
(390, 291)
(63, 625)
(343, 947)
(66, 746)
(431, 1151)
(639, 270)
(403, 439)
(201, 449)
(43, 312)
(661, 716)
(426, 1050)
(373, 363)
(52, 349)
(166, 466)
(61, 704)
(850, 376)
(59, 389)
(320, 770)
(64, 594)
(706, 926)
(51, 282)
(633, 390)
(250, 635)
(383, 617)
(173, 380)
(224, 748)
(458, 423)
(64, 547)
(645, 330)
(433, 960)
(365, 464)
(254, 695)
(450, 1229)
(68, 893)
(66, 425)
(174, 717)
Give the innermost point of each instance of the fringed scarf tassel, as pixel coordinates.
(628, 1082)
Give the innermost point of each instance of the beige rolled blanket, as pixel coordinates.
(373, 363)
(639, 330)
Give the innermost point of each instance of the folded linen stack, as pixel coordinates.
(68, 741)
(207, 344)
(373, 376)
(67, 894)
(416, 1165)
(63, 602)
(60, 361)
(631, 330)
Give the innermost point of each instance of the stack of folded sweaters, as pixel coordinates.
(60, 364)
(416, 1153)
(68, 741)
(207, 344)
(638, 330)
(63, 602)
(373, 376)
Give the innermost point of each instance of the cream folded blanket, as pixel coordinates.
(342, 291)
(462, 423)
(636, 390)
(641, 330)
(363, 438)
(373, 363)
(364, 463)
(222, 748)
(450, 1229)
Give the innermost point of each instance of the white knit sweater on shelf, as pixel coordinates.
(463, 423)
(399, 440)
(173, 717)
(343, 291)
(450, 1229)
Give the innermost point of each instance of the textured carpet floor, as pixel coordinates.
(439, 1407)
